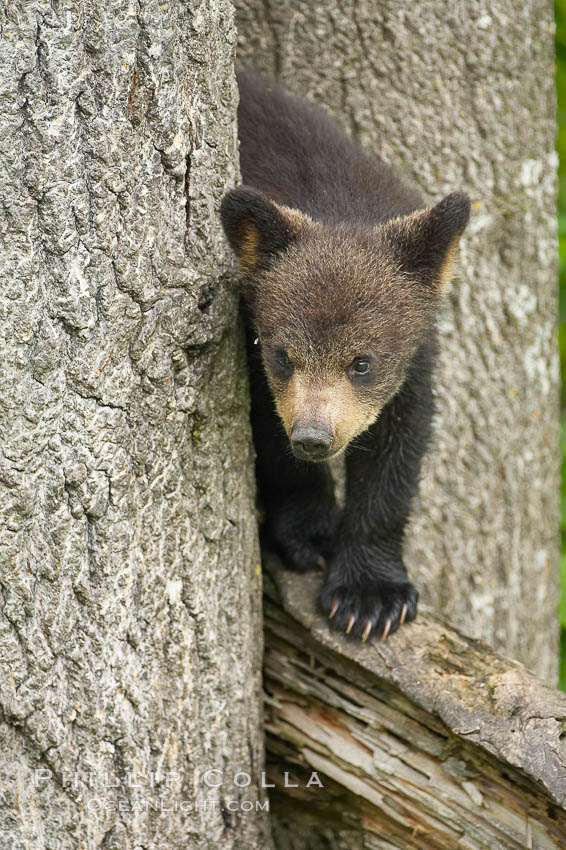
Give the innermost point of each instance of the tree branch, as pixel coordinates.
(430, 740)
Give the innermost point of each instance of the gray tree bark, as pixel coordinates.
(459, 95)
(130, 644)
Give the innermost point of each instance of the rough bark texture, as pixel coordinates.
(427, 741)
(460, 96)
(129, 579)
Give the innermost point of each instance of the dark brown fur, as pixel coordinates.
(341, 268)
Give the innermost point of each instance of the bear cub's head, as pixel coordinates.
(340, 311)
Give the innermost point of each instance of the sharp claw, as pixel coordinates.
(351, 621)
(403, 613)
(321, 562)
(334, 608)
(367, 630)
(386, 630)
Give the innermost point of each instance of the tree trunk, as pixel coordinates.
(130, 588)
(427, 742)
(457, 97)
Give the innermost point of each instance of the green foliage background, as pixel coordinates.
(560, 6)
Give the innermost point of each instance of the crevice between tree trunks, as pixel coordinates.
(429, 740)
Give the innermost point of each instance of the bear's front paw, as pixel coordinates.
(302, 537)
(368, 606)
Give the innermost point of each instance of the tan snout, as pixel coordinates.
(320, 418)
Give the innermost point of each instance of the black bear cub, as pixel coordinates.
(342, 271)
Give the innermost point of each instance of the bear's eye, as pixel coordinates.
(282, 360)
(360, 366)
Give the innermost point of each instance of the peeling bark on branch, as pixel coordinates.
(427, 741)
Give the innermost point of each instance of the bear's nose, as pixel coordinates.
(310, 443)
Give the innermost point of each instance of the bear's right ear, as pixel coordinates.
(258, 229)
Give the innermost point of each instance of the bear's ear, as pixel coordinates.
(425, 241)
(258, 229)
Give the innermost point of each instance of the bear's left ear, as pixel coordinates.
(424, 242)
(258, 229)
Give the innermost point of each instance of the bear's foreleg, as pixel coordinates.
(300, 515)
(366, 590)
